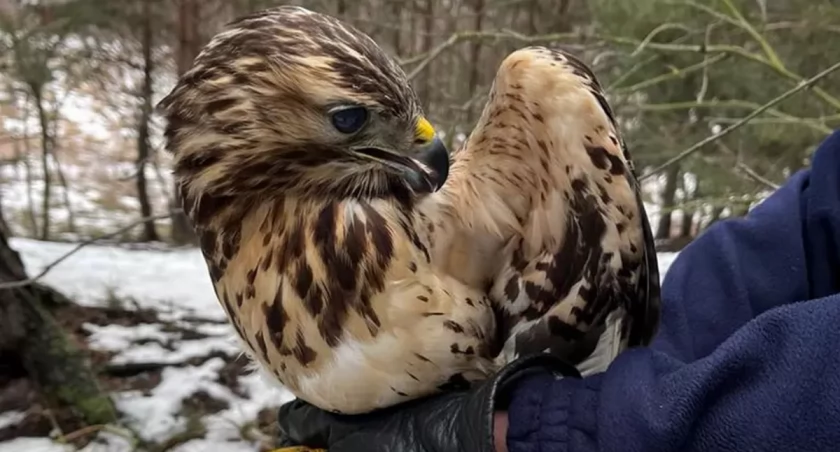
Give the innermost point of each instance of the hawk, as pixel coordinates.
(359, 262)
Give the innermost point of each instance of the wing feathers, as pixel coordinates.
(581, 279)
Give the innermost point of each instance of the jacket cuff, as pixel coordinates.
(540, 413)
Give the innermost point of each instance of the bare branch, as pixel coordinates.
(674, 74)
(781, 98)
(741, 167)
(757, 177)
(423, 60)
(817, 124)
(771, 58)
(655, 32)
(48, 268)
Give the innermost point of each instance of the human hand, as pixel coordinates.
(500, 426)
(468, 420)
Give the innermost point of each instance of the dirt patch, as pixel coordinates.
(230, 373)
(72, 316)
(204, 403)
(38, 421)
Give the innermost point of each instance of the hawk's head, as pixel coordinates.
(295, 102)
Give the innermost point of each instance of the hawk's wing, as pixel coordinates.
(546, 168)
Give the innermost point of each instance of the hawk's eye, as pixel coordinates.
(349, 119)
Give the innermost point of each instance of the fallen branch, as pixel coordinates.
(48, 268)
(781, 98)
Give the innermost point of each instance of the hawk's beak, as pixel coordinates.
(425, 167)
(433, 154)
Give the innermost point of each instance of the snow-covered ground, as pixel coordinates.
(175, 283)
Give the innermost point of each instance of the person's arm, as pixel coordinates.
(743, 361)
(773, 385)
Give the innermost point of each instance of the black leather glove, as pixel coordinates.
(451, 421)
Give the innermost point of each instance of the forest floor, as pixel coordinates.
(162, 348)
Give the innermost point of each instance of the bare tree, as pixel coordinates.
(143, 146)
(189, 45)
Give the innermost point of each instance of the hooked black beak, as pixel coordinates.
(425, 167)
(435, 157)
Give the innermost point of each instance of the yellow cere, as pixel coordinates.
(425, 131)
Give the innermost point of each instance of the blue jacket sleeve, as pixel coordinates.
(747, 355)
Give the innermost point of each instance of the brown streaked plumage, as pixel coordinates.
(347, 271)
(547, 175)
(312, 238)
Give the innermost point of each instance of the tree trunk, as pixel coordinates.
(31, 334)
(740, 210)
(663, 231)
(149, 233)
(189, 46)
(27, 168)
(5, 230)
(45, 153)
(427, 13)
(396, 32)
(717, 212)
(475, 57)
(533, 12)
(71, 218)
(687, 223)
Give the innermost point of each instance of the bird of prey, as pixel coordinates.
(360, 262)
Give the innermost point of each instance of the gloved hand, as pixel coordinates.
(451, 421)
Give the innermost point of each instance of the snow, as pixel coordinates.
(118, 337)
(156, 414)
(33, 445)
(11, 418)
(174, 282)
(104, 442)
(665, 260)
(148, 343)
(183, 351)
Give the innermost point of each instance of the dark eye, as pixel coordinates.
(350, 119)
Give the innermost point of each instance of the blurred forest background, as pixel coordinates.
(718, 101)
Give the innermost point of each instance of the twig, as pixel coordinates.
(752, 174)
(48, 268)
(697, 146)
(676, 73)
(771, 58)
(639, 65)
(817, 123)
(747, 26)
(666, 26)
(746, 169)
(81, 432)
(432, 55)
(811, 123)
(423, 60)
